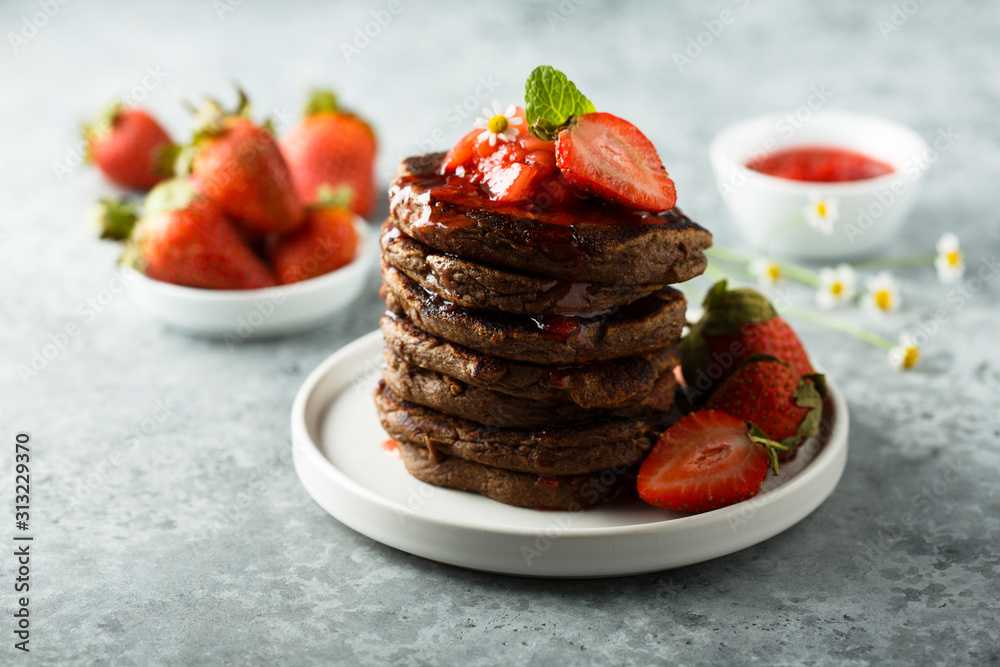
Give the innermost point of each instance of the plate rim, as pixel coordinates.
(306, 451)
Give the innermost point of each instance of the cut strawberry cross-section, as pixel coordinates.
(612, 159)
(707, 460)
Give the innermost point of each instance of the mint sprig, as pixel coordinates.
(551, 100)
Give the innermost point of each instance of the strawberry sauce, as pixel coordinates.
(819, 164)
(391, 447)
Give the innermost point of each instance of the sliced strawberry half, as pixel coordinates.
(707, 460)
(609, 157)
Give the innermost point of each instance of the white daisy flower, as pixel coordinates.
(905, 355)
(767, 272)
(821, 213)
(883, 293)
(498, 124)
(950, 263)
(836, 286)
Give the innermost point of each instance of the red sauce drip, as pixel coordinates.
(541, 221)
(820, 164)
(558, 327)
(558, 203)
(392, 447)
(547, 481)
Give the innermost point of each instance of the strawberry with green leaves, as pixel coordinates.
(129, 146)
(237, 165)
(184, 239)
(707, 460)
(332, 148)
(558, 143)
(736, 325)
(770, 394)
(597, 152)
(326, 241)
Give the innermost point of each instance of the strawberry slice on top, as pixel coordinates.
(707, 460)
(559, 144)
(609, 157)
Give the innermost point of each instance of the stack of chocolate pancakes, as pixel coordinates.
(529, 349)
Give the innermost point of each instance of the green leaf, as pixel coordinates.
(328, 197)
(114, 218)
(757, 435)
(549, 96)
(321, 100)
(727, 310)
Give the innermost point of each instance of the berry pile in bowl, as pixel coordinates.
(240, 234)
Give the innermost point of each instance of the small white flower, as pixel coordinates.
(821, 213)
(498, 123)
(950, 263)
(883, 293)
(905, 355)
(836, 286)
(767, 272)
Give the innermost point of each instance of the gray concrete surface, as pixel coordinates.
(192, 542)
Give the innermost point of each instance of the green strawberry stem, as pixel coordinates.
(99, 127)
(210, 116)
(793, 271)
(114, 218)
(328, 197)
(320, 100)
(839, 325)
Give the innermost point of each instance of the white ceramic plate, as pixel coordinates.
(257, 313)
(337, 444)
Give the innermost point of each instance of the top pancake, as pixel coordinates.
(592, 240)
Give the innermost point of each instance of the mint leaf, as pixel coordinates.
(549, 96)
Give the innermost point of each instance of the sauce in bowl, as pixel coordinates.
(820, 164)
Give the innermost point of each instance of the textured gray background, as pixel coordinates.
(195, 542)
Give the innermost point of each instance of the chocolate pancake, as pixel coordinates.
(585, 240)
(640, 327)
(491, 408)
(482, 287)
(550, 450)
(564, 492)
(601, 384)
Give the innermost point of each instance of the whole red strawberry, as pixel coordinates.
(707, 460)
(326, 241)
(126, 144)
(238, 166)
(332, 148)
(609, 157)
(185, 239)
(773, 396)
(736, 325)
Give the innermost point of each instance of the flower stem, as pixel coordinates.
(793, 271)
(839, 325)
(900, 261)
(794, 220)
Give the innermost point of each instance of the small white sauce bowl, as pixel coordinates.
(869, 212)
(270, 312)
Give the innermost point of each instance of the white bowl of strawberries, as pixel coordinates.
(237, 315)
(249, 239)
